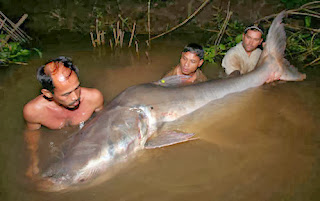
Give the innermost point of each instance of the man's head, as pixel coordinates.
(191, 58)
(60, 82)
(252, 38)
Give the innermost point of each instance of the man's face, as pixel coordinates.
(189, 62)
(251, 40)
(67, 88)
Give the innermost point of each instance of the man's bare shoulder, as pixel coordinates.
(201, 76)
(94, 96)
(93, 93)
(33, 109)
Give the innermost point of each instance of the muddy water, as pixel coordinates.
(262, 144)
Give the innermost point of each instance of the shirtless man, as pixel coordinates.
(63, 102)
(244, 56)
(190, 62)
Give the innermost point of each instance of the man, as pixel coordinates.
(63, 102)
(190, 62)
(244, 56)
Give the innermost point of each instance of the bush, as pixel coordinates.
(12, 52)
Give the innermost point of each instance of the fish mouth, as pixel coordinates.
(47, 184)
(54, 180)
(51, 185)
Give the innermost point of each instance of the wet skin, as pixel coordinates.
(68, 105)
(62, 107)
(68, 93)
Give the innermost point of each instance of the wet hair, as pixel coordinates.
(255, 28)
(194, 48)
(46, 80)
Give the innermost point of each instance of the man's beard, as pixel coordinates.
(75, 107)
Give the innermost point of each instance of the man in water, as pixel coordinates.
(63, 102)
(244, 56)
(190, 62)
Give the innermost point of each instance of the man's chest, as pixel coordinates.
(56, 119)
(248, 63)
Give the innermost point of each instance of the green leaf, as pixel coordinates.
(239, 38)
(38, 52)
(222, 47)
(307, 21)
(24, 52)
(14, 47)
(4, 55)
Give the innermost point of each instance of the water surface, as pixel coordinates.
(262, 144)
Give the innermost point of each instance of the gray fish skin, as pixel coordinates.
(125, 125)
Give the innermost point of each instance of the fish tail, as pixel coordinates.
(274, 52)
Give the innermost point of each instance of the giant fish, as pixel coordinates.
(132, 119)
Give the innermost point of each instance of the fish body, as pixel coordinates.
(128, 123)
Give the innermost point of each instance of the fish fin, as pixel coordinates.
(173, 81)
(168, 138)
(291, 73)
(274, 52)
(276, 38)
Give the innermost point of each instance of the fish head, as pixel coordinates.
(93, 151)
(62, 178)
(56, 178)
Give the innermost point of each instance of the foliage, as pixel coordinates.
(12, 52)
(303, 42)
(233, 36)
(289, 4)
(214, 52)
(303, 46)
(307, 21)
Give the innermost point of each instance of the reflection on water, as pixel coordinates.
(262, 144)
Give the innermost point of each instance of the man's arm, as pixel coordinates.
(97, 99)
(231, 63)
(234, 73)
(32, 139)
(32, 136)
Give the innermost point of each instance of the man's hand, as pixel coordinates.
(32, 139)
(273, 77)
(33, 168)
(234, 73)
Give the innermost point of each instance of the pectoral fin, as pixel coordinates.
(168, 138)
